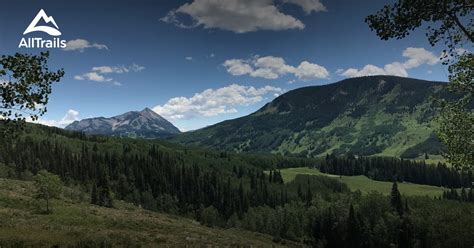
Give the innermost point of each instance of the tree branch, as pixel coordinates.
(461, 26)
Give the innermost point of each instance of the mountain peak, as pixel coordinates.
(145, 124)
(147, 110)
(149, 113)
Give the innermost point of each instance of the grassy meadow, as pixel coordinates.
(365, 184)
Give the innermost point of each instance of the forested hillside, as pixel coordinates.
(375, 115)
(233, 190)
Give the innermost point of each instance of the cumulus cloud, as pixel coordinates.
(81, 44)
(271, 67)
(237, 67)
(240, 16)
(307, 70)
(97, 74)
(415, 58)
(213, 102)
(395, 69)
(308, 6)
(70, 116)
(418, 56)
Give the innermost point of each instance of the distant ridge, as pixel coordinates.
(135, 124)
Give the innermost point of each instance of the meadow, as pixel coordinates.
(365, 184)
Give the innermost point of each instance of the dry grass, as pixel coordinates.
(78, 224)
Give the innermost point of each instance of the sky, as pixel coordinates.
(199, 62)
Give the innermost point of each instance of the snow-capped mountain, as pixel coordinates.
(140, 124)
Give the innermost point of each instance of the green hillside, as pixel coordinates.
(76, 223)
(378, 115)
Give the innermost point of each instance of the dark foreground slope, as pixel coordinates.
(378, 115)
(76, 223)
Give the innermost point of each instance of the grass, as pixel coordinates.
(365, 184)
(79, 224)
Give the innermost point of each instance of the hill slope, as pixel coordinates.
(75, 223)
(378, 115)
(142, 124)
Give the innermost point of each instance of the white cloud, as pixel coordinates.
(264, 73)
(109, 69)
(97, 73)
(189, 58)
(367, 70)
(237, 67)
(81, 44)
(415, 58)
(239, 16)
(418, 56)
(307, 70)
(92, 76)
(136, 68)
(275, 64)
(118, 69)
(70, 116)
(271, 67)
(213, 102)
(309, 5)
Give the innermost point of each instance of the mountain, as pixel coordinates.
(376, 115)
(141, 124)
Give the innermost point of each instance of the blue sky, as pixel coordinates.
(199, 62)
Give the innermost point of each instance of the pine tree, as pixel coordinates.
(396, 199)
(405, 235)
(407, 209)
(353, 229)
(309, 197)
(300, 192)
(94, 198)
(464, 195)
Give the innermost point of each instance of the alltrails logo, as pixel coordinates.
(38, 42)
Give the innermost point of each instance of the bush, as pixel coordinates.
(210, 217)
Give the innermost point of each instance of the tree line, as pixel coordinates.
(389, 169)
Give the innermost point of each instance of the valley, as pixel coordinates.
(237, 123)
(120, 182)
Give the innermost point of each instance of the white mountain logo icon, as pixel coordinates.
(48, 19)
